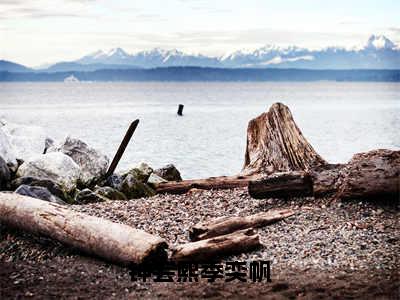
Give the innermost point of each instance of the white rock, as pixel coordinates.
(26, 141)
(93, 164)
(155, 179)
(7, 151)
(54, 166)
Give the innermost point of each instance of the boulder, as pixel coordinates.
(39, 193)
(93, 164)
(27, 141)
(87, 196)
(5, 175)
(133, 188)
(114, 181)
(154, 179)
(141, 172)
(7, 151)
(110, 193)
(53, 166)
(51, 186)
(145, 169)
(48, 143)
(169, 173)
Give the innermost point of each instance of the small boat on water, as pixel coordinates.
(71, 78)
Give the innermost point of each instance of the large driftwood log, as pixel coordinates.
(282, 185)
(112, 241)
(276, 144)
(225, 225)
(371, 175)
(215, 183)
(210, 249)
(325, 179)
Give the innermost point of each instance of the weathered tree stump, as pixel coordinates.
(112, 241)
(276, 144)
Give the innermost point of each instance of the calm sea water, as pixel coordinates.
(339, 119)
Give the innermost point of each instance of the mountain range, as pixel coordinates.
(377, 53)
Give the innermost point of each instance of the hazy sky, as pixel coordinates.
(44, 31)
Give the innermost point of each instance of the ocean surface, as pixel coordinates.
(338, 118)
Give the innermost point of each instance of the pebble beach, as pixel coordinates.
(350, 242)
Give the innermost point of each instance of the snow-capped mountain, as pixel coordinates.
(149, 58)
(114, 56)
(379, 42)
(377, 53)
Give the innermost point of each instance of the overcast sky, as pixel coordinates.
(45, 31)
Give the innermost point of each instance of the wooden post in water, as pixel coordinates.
(180, 109)
(122, 147)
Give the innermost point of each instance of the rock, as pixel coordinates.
(155, 179)
(115, 181)
(48, 143)
(51, 186)
(145, 169)
(133, 188)
(53, 166)
(27, 141)
(7, 151)
(169, 173)
(5, 175)
(39, 193)
(93, 164)
(137, 174)
(110, 193)
(87, 196)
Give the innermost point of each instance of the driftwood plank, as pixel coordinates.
(212, 183)
(225, 225)
(210, 249)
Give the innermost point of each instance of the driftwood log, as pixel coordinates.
(111, 241)
(212, 183)
(282, 185)
(225, 225)
(209, 249)
(371, 175)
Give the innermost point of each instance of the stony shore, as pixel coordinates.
(329, 248)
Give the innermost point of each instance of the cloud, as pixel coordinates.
(17, 9)
(395, 30)
(203, 6)
(149, 17)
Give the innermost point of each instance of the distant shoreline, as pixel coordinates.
(190, 74)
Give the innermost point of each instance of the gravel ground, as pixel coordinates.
(329, 248)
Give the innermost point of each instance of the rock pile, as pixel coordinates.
(69, 172)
